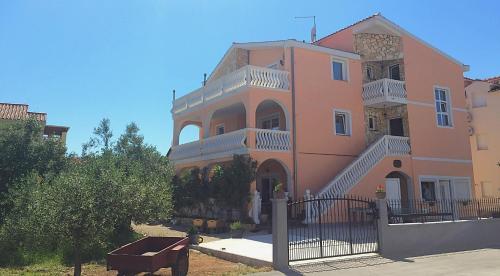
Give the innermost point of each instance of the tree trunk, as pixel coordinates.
(78, 260)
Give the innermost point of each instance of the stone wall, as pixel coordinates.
(381, 116)
(380, 69)
(378, 46)
(236, 59)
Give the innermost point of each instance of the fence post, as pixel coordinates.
(280, 233)
(382, 224)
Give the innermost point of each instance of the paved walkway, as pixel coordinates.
(257, 247)
(476, 262)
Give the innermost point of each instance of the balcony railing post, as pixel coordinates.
(386, 88)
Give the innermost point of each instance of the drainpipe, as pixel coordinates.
(294, 132)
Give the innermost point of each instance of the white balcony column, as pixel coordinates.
(176, 134)
(205, 125)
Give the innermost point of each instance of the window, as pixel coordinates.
(443, 107)
(394, 72)
(339, 70)
(342, 122)
(372, 121)
(481, 141)
(369, 72)
(219, 129)
(271, 122)
(428, 190)
(461, 189)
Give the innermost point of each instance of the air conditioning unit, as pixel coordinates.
(470, 130)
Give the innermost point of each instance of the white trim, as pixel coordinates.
(437, 178)
(294, 43)
(458, 109)
(345, 68)
(381, 20)
(448, 103)
(348, 123)
(437, 159)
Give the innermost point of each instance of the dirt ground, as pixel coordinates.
(199, 264)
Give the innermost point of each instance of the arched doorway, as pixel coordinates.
(271, 114)
(227, 119)
(271, 173)
(398, 187)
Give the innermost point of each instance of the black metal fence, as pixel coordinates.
(411, 211)
(331, 226)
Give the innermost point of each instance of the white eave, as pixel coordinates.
(381, 21)
(286, 44)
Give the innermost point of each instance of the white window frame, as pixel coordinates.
(389, 75)
(370, 68)
(348, 122)
(270, 117)
(449, 103)
(437, 178)
(345, 68)
(374, 127)
(217, 128)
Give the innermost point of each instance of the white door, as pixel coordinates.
(444, 189)
(392, 189)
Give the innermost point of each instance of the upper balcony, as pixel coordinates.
(247, 76)
(384, 93)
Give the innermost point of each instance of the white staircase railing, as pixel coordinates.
(275, 140)
(384, 90)
(247, 75)
(350, 176)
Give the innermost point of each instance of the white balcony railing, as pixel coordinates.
(246, 76)
(275, 140)
(384, 92)
(230, 143)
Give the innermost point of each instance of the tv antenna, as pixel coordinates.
(313, 29)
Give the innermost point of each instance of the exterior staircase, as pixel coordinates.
(386, 145)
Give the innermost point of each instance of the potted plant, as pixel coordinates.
(198, 222)
(236, 230)
(380, 192)
(249, 224)
(193, 235)
(278, 190)
(214, 224)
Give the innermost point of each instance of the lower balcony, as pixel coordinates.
(384, 93)
(228, 144)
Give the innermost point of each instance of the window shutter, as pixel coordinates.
(461, 189)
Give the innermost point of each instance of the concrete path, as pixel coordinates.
(251, 250)
(476, 262)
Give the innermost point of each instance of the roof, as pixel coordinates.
(493, 79)
(284, 44)
(386, 23)
(10, 111)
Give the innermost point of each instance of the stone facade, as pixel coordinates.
(236, 59)
(381, 117)
(378, 46)
(380, 69)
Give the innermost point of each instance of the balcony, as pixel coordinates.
(247, 76)
(384, 93)
(226, 145)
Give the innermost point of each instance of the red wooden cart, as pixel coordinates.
(150, 254)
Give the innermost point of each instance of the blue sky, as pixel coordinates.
(80, 61)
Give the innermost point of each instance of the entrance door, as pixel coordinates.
(266, 192)
(396, 127)
(393, 188)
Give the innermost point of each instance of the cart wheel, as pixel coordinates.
(200, 239)
(181, 266)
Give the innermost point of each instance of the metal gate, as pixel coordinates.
(331, 226)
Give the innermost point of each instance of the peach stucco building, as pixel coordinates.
(367, 105)
(483, 101)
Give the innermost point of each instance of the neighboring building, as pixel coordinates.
(13, 112)
(366, 105)
(483, 101)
